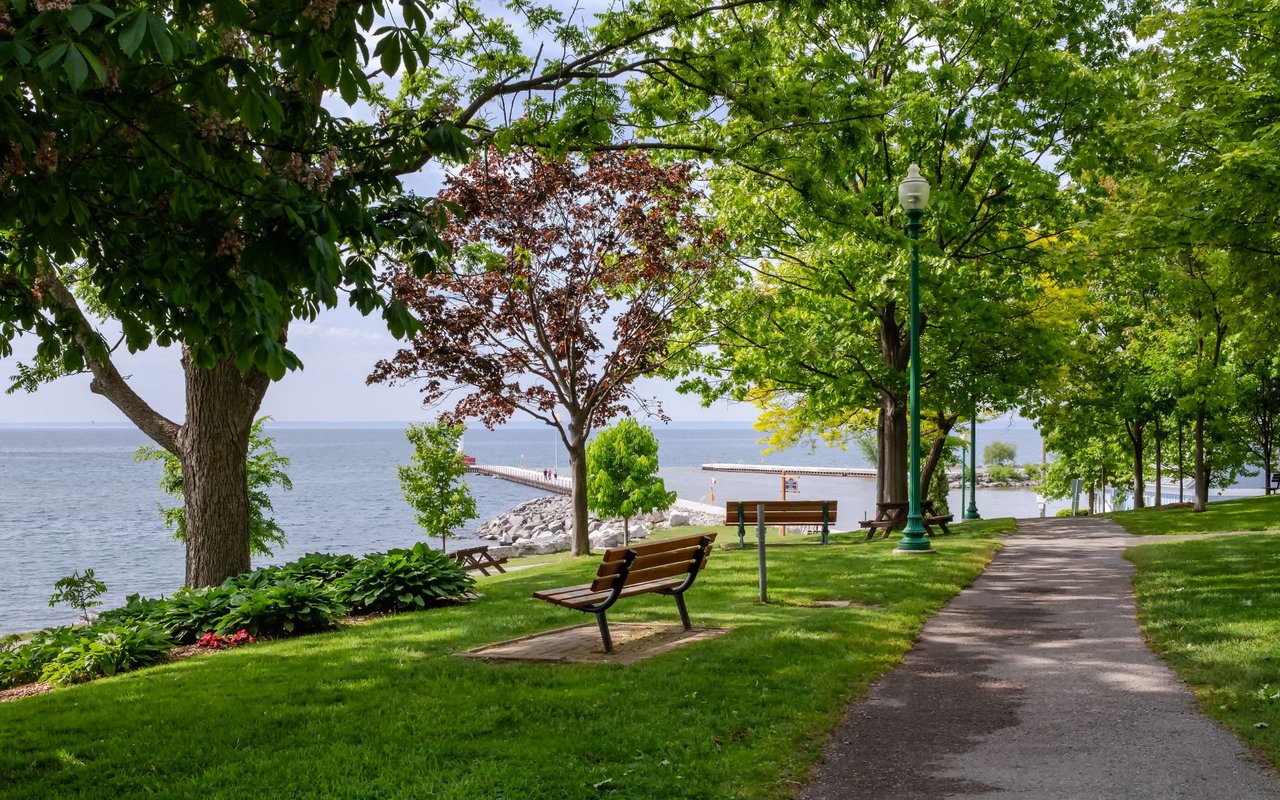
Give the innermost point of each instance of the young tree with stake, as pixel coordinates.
(433, 484)
(622, 474)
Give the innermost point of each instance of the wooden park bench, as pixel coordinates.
(781, 512)
(893, 516)
(668, 566)
(477, 558)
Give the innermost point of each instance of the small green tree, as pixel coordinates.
(265, 468)
(1000, 454)
(81, 592)
(433, 484)
(622, 474)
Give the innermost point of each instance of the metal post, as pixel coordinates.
(963, 458)
(913, 538)
(764, 592)
(972, 511)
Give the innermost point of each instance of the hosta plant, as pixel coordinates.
(106, 651)
(401, 580)
(281, 609)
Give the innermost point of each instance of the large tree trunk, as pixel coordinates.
(577, 446)
(895, 353)
(1201, 467)
(214, 445)
(894, 467)
(1136, 431)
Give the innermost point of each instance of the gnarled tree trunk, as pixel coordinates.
(895, 353)
(894, 466)
(212, 444)
(939, 444)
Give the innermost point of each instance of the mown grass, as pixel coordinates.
(1245, 514)
(388, 709)
(1211, 609)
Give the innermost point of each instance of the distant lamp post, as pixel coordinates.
(913, 194)
(972, 511)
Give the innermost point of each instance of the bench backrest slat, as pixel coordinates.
(685, 554)
(781, 512)
(654, 560)
(659, 572)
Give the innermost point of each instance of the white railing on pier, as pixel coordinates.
(564, 485)
(529, 477)
(774, 469)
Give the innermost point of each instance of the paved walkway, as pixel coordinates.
(1035, 683)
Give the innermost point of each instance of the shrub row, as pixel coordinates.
(303, 596)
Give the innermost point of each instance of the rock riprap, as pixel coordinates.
(545, 525)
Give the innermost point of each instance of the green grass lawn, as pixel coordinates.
(1245, 514)
(1211, 609)
(388, 710)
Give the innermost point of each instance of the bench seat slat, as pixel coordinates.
(579, 596)
(686, 554)
(660, 570)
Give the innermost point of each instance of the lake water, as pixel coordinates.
(72, 497)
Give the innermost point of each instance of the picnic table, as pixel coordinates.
(892, 516)
(477, 558)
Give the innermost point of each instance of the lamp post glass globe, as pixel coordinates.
(913, 194)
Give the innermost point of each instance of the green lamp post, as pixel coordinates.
(913, 194)
(972, 511)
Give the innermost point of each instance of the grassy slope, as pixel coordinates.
(1245, 514)
(386, 710)
(1211, 609)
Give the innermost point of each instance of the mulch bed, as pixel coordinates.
(28, 690)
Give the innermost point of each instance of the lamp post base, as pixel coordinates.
(914, 539)
(971, 515)
(927, 550)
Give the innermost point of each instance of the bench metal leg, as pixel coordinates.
(604, 632)
(684, 612)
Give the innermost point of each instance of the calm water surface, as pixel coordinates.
(72, 497)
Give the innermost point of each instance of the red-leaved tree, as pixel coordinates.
(559, 294)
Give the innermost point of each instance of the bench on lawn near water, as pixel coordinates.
(781, 512)
(668, 566)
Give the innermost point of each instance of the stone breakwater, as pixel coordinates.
(545, 525)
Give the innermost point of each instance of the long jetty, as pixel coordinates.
(563, 485)
(774, 469)
(528, 477)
